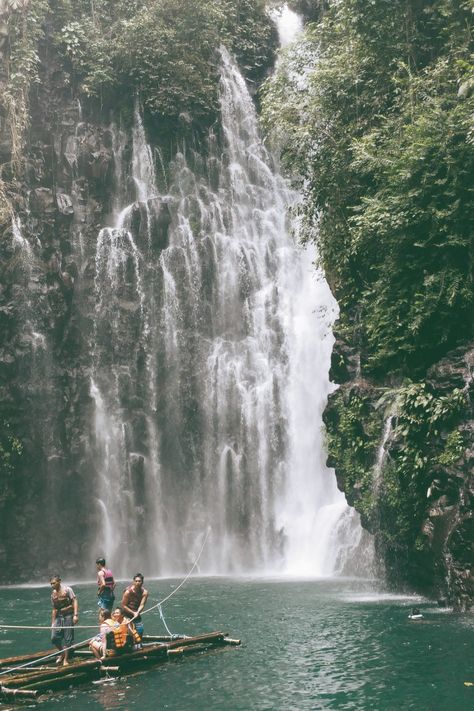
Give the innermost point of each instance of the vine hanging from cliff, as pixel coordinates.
(25, 30)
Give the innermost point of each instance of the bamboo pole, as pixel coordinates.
(193, 649)
(162, 637)
(24, 658)
(18, 692)
(60, 682)
(52, 673)
(7, 661)
(213, 637)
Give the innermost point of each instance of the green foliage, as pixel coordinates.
(25, 30)
(424, 422)
(84, 46)
(161, 49)
(159, 52)
(379, 134)
(353, 431)
(249, 34)
(453, 450)
(422, 418)
(311, 10)
(420, 296)
(392, 498)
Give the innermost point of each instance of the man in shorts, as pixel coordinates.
(64, 617)
(105, 586)
(134, 600)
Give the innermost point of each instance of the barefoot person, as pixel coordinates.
(63, 618)
(105, 586)
(134, 600)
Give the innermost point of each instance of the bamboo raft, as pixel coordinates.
(31, 682)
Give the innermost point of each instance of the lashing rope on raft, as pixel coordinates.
(80, 644)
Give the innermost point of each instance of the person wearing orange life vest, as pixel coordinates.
(121, 637)
(105, 586)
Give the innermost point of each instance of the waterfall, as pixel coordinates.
(27, 305)
(211, 347)
(381, 454)
(288, 23)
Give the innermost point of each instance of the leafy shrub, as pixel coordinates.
(373, 116)
(161, 49)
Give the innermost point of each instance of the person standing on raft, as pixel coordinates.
(105, 586)
(134, 600)
(64, 617)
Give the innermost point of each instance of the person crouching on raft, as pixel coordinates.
(105, 586)
(134, 600)
(98, 645)
(64, 617)
(119, 635)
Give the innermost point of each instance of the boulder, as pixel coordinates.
(64, 204)
(42, 202)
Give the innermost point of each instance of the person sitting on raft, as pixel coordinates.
(64, 617)
(134, 600)
(98, 645)
(105, 586)
(119, 635)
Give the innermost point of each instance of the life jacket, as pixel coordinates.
(123, 634)
(108, 580)
(62, 600)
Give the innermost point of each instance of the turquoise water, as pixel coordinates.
(306, 645)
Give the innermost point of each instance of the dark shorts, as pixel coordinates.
(106, 602)
(62, 634)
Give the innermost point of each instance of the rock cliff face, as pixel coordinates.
(407, 466)
(57, 205)
(44, 363)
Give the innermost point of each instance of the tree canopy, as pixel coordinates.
(373, 115)
(162, 49)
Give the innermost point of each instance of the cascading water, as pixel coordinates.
(288, 23)
(211, 348)
(381, 454)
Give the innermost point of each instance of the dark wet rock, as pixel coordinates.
(64, 203)
(443, 565)
(42, 201)
(100, 163)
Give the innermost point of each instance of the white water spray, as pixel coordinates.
(212, 413)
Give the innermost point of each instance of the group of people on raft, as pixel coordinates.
(121, 627)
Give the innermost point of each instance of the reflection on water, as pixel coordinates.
(307, 645)
(111, 694)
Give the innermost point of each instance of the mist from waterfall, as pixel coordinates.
(211, 347)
